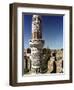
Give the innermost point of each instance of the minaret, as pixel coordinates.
(36, 44)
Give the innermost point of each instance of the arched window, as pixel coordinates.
(28, 50)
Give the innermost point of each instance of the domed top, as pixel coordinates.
(36, 16)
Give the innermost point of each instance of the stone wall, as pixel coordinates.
(55, 63)
(52, 61)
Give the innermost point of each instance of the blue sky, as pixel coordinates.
(52, 30)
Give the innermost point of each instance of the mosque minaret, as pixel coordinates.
(36, 44)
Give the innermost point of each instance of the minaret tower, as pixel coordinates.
(36, 44)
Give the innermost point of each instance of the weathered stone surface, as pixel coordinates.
(44, 61)
(36, 44)
(39, 59)
(59, 67)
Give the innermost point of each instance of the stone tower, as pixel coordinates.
(36, 44)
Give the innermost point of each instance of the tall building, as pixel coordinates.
(36, 44)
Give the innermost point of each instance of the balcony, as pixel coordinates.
(36, 43)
